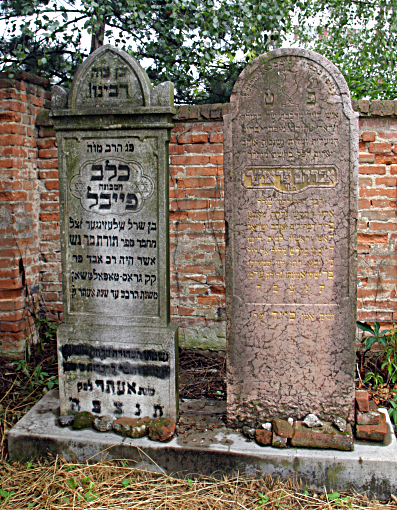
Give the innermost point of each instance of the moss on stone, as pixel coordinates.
(83, 420)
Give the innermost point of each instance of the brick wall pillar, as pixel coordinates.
(20, 100)
(377, 226)
(197, 226)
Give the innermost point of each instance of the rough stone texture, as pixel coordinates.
(370, 418)
(340, 423)
(117, 349)
(282, 428)
(370, 467)
(66, 421)
(278, 441)
(322, 437)
(291, 210)
(103, 423)
(311, 420)
(263, 437)
(362, 400)
(83, 420)
(373, 432)
(248, 432)
(132, 427)
(161, 429)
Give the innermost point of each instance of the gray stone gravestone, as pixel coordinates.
(291, 210)
(117, 348)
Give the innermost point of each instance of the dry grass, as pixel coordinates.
(112, 485)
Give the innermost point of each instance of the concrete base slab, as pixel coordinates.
(205, 446)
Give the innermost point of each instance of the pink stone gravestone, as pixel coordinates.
(291, 210)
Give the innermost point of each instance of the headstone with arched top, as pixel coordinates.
(117, 348)
(291, 168)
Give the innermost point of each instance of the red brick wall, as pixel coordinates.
(196, 218)
(197, 226)
(49, 228)
(377, 227)
(20, 102)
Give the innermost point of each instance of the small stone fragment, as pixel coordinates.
(325, 436)
(362, 400)
(161, 429)
(282, 428)
(373, 432)
(291, 421)
(248, 432)
(278, 441)
(263, 437)
(311, 421)
(340, 423)
(132, 427)
(370, 418)
(267, 426)
(66, 421)
(83, 420)
(103, 423)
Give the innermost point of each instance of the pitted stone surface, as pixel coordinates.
(117, 349)
(291, 209)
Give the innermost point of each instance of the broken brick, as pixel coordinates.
(370, 418)
(362, 400)
(373, 432)
(322, 437)
(263, 437)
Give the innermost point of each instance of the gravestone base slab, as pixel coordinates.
(369, 468)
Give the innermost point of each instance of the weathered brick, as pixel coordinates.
(385, 159)
(52, 184)
(370, 418)
(263, 437)
(379, 147)
(322, 437)
(368, 136)
(372, 169)
(373, 432)
(366, 158)
(362, 400)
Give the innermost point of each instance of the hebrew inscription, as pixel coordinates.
(111, 185)
(290, 212)
(117, 348)
(290, 179)
(112, 226)
(110, 81)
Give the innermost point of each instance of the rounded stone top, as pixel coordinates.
(109, 78)
(282, 72)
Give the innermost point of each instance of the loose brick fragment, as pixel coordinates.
(370, 418)
(263, 437)
(362, 400)
(373, 432)
(325, 437)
